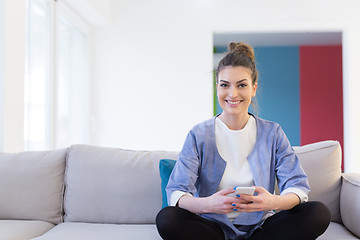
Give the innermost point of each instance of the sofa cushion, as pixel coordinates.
(108, 185)
(336, 231)
(322, 163)
(350, 202)
(31, 185)
(91, 231)
(23, 229)
(165, 166)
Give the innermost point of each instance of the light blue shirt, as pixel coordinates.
(200, 168)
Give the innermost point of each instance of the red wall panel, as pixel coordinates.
(321, 100)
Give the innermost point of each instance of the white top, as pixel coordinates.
(234, 147)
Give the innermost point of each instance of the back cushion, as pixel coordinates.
(322, 163)
(31, 185)
(108, 185)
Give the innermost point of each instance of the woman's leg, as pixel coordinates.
(305, 221)
(174, 223)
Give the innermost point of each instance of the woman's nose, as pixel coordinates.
(233, 92)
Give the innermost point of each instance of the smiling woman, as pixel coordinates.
(236, 84)
(235, 95)
(236, 148)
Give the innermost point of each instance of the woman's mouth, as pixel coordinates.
(233, 102)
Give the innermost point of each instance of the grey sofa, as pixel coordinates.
(97, 193)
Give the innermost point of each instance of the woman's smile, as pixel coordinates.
(234, 103)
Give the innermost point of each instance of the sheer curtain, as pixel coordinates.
(56, 81)
(38, 77)
(71, 125)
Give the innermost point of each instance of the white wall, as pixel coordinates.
(2, 52)
(351, 96)
(147, 91)
(94, 12)
(152, 65)
(14, 69)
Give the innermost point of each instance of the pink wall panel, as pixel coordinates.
(321, 101)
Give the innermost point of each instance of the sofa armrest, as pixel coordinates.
(349, 202)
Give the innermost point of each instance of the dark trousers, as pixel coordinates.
(305, 221)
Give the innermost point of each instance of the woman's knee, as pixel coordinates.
(318, 215)
(319, 211)
(165, 217)
(168, 220)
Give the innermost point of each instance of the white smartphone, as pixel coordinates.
(242, 190)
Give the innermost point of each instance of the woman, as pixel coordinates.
(236, 148)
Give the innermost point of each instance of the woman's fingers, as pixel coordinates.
(226, 191)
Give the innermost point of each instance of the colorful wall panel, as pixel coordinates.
(300, 87)
(321, 97)
(278, 93)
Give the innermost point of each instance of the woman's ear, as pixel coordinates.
(254, 90)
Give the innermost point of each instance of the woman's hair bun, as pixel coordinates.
(239, 54)
(243, 49)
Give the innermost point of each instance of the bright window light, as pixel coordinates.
(37, 77)
(56, 81)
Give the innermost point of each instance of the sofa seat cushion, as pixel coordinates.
(21, 229)
(110, 185)
(337, 231)
(93, 231)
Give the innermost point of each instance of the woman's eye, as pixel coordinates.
(223, 85)
(242, 85)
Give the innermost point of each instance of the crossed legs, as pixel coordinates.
(305, 221)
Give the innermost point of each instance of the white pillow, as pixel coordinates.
(31, 185)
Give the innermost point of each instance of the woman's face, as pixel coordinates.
(235, 90)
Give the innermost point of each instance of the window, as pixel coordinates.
(72, 82)
(38, 76)
(56, 81)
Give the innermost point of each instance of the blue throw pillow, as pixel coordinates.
(165, 166)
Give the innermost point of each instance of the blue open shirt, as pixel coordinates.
(200, 168)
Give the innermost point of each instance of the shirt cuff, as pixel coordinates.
(300, 193)
(175, 196)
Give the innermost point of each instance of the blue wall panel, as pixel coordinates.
(278, 92)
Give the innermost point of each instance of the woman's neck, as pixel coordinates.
(235, 122)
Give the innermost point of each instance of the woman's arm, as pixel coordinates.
(289, 173)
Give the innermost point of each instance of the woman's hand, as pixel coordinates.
(262, 202)
(265, 201)
(219, 202)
